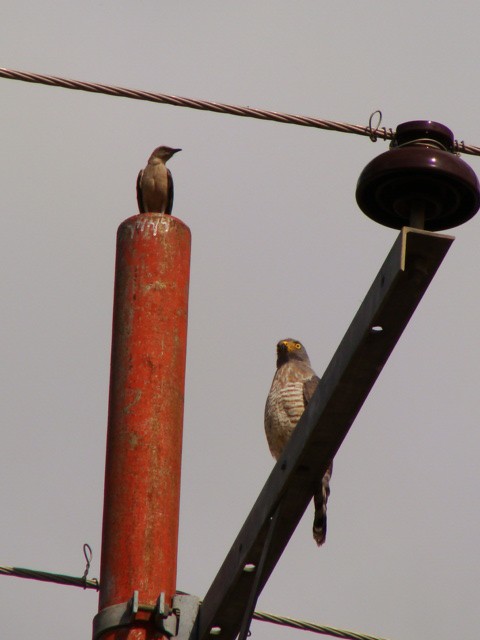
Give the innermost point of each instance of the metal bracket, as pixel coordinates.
(177, 622)
(186, 609)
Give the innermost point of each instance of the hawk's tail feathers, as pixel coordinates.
(320, 500)
(320, 528)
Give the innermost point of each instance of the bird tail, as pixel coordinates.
(320, 499)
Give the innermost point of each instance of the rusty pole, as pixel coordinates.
(144, 440)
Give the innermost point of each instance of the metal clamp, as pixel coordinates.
(115, 616)
(176, 622)
(165, 619)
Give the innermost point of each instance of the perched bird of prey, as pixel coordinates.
(293, 385)
(155, 184)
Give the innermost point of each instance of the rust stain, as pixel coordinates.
(128, 407)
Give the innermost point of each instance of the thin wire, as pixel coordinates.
(420, 142)
(88, 553)
(372, 131)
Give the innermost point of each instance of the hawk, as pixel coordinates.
(293, 385)
(155, 184)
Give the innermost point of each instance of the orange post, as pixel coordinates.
(145, 423)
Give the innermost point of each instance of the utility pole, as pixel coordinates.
(145, 424)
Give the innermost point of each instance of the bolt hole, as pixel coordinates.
(284, 465)
(377, 328)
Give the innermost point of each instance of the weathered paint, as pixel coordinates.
(144, 440)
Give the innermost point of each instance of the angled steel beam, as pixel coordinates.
(366, 346)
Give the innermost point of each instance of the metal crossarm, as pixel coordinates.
(361, 355)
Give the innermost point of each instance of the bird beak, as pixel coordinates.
(292, 345)
(175, 151)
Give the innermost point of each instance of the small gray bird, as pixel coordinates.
(155, 184)
(293, 385)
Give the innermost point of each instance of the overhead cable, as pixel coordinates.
(261, 616)
(218, 107)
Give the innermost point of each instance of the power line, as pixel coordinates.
(218, 107)
(310, 626)
(45, 576)
(178, 101)
(261, 616)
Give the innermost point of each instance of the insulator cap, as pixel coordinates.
(419, 172)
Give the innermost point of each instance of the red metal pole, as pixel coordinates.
(144, 440)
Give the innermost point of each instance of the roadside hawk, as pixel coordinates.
(293, 385)
(155, 184)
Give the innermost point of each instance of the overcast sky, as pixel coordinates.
(280, 249)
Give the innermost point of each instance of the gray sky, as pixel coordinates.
(279, 248)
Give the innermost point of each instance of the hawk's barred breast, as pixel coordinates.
(284, 407)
